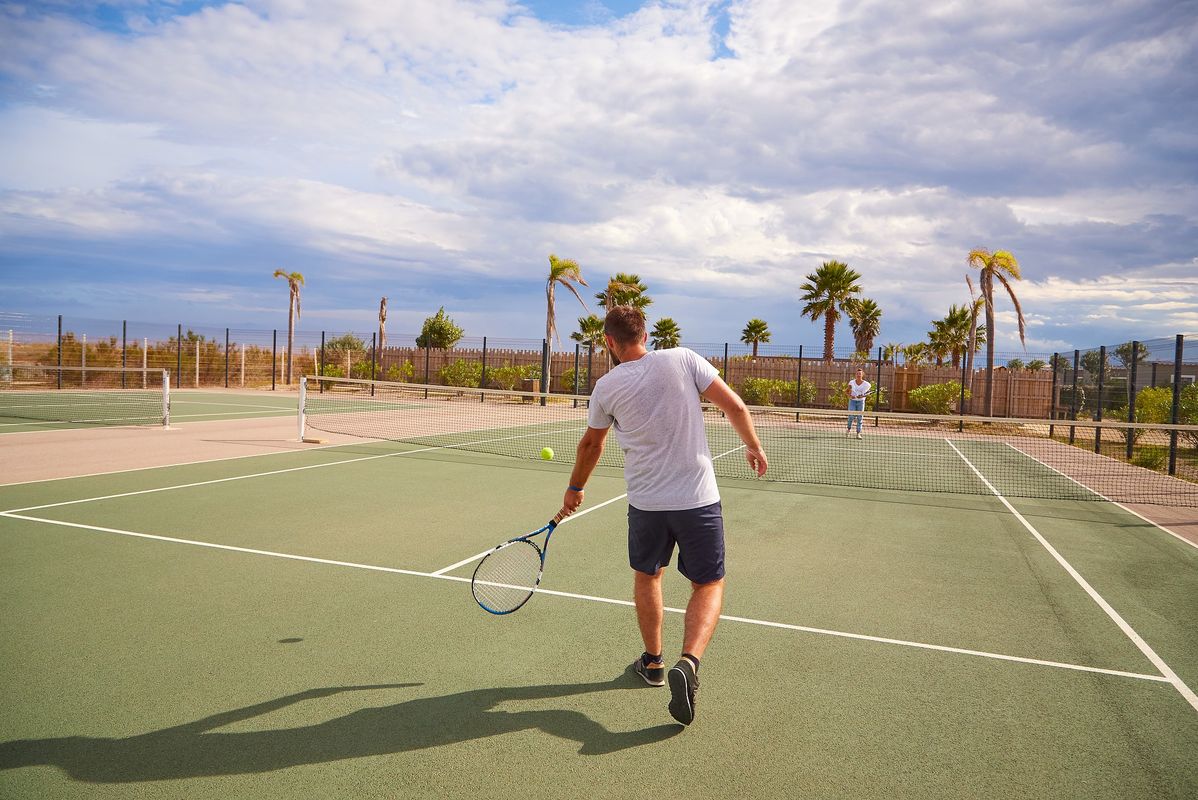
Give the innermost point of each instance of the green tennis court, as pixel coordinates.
(300, 624)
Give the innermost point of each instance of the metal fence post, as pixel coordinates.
(544, 371)
(577, 356)
(878, 387)
(320, 368)
(482, 381)
(179, 357)
(124, 350)
(1077, 357)
(1131, 398)
(274, 349)
(799, 384)
(725, 361)
(226, 358)
(60, 351)
(1052, 400)
(590, 364)
(1098, 411)
(374, 341)
(1178, 355)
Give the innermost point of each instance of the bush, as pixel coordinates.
(1154, 458)
(567, 379)
(770, 391)
(361, 371)
(398, 373)
(840, 396)
(936, 398)
(506, 377)
(461, 373)
(333, 371)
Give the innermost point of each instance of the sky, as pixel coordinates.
(160, 160)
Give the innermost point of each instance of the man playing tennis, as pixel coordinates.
(652, 399)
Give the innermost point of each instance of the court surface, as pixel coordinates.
(299, 624)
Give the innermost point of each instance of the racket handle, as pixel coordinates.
(560, 516)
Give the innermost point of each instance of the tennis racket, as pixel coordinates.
(509, 575)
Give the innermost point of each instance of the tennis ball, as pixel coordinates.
(547, 453)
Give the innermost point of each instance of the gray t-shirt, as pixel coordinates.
(653, 402)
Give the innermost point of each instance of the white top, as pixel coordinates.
(653, 402)
(858, 390)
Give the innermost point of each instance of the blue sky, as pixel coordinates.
(159, 160)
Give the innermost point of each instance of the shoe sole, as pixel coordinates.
(680, 702)
(645, 677)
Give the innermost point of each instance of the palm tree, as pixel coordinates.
(826, 292)
(666, 334)
(382, 324)
(624, 289)
(996, 266)
(915, 355)
(294, 281)
(891, 351)
(976, 334)
(755, 332)
(865, 318)
(590, 332)
(566, 272)
(954, 331)
(939, 341)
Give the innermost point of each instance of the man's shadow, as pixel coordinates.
(195, 750)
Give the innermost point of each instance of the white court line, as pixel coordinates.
(1131, 634)
(592, 598)
(1103, 496)
(272, 472)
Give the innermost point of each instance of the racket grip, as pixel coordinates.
(553, 523)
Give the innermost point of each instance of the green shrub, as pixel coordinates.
(1154, 458)
(567, 379)
(1153, 404)
(936, 398)
(361, 371)
(461, 373)
(771, 391)
(506, 377)
(333, 371)
(398, 373)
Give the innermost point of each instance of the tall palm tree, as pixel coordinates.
(294, 281)
(382, 324)
(566, 272)
(998, 265)
(666, 334)
(826, 292)
(865, 318)
(891, 351)
(915, 355)
(590, 331)
(755, 332)
(953, 332)
(624, 289)
(939, 341)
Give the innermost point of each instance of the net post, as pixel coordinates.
(274, 355)
(1098, 404)
(226, 358)
(303, 397)
(179, 356)
(799, 384)
(165, 376)
(373, 352)
(1077, 357)
(878, 387)
(1052, 400)
(577, 357)
(60, 351)
(1131, 397)
(124, 352)
(482, 380)
(1178, 355)
(544, 372)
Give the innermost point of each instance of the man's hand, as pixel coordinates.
(572, 501)
(757, 462)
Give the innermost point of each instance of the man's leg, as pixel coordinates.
(650, 610)
(702, 615)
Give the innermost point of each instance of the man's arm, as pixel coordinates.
(590, 448)
(734, 409)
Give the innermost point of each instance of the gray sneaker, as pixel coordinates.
(684, 685)
(654, 676)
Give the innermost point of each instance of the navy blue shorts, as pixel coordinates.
(698, 532)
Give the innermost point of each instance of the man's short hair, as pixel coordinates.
(625, 324)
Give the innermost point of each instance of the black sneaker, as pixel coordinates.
(654, 676)
(684, 685)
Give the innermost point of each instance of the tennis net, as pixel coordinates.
(897, 451)
(88, 396)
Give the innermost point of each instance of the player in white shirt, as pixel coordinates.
(858, 390)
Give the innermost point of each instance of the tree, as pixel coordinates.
(1093, 362)
(955, 330)
(1015, 364)
(998, 265)
(1125, 356)
(755, 332)
(294, 281)
(891, 351)
(566, 272)
(865, 318)
(1036, 364)
(382, 323)
(439, 332)
(915, 355)
(666, 334)
(826, 293)
(590, 332)
(624, 289)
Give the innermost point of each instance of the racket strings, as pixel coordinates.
(507, 577)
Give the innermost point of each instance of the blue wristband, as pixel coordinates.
(575, 488)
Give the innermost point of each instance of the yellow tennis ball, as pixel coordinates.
(547, 453)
